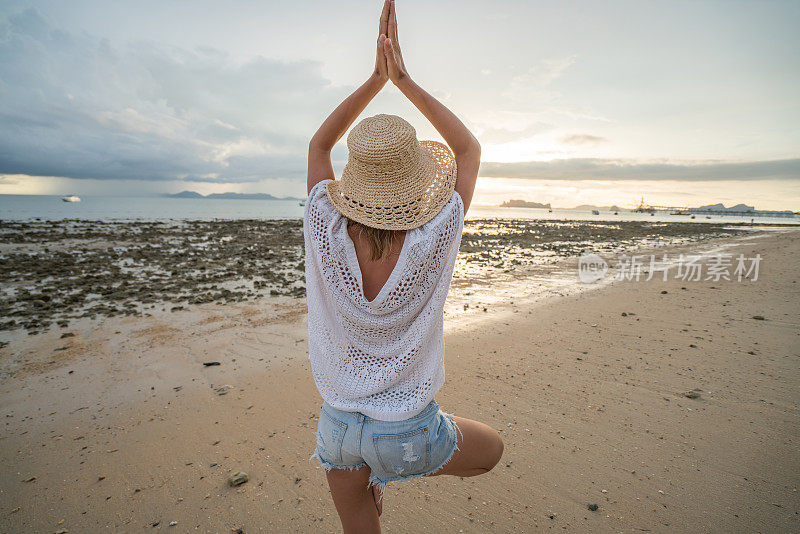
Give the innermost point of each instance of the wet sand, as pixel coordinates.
(122, 428)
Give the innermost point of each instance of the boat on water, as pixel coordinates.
(71, 198)
(302, 202)
(644, 208)
(595, 212)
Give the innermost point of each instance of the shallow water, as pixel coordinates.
(50, 207)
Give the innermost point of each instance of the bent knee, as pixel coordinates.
(494, 451)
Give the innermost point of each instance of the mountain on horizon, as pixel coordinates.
(738, 208)
(234, 196)
(721, 207)
(517, 203)
(184, 194)
(589, 207)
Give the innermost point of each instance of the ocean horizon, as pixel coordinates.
(163, 208)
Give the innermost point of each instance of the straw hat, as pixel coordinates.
(391, 180)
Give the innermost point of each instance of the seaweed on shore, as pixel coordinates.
(58, 271)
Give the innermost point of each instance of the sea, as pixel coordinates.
(101, 208)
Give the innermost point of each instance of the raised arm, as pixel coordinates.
(319, 148)
(464, 145)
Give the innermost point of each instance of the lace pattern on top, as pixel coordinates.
(385, 357)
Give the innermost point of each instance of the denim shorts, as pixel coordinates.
(394, 451)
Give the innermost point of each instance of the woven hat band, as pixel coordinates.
(391, 180)
(408, 188)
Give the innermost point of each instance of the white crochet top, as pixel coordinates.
(385, 357)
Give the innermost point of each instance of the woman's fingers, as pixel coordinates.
(383, 31)
(383, 25)
(393, 61)
(393, 23)
(381, 58)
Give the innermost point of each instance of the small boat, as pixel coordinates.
(595, 212)
(549, 211)
(616, 213)
(302, 203)
(71, 198)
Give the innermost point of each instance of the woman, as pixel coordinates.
(380, 248)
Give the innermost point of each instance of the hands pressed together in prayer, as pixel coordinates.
(389, 65)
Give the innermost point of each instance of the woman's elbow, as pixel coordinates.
(473, 149)
(315, 145)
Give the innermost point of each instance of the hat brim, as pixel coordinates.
(399, 206)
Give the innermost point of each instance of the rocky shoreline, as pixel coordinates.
(53, 272)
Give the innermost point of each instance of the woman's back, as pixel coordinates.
(375, 338)
(374, 272)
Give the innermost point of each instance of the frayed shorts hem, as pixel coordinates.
(381, 483)
(327, 466)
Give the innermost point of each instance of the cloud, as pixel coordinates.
(608, 169)
(537, 78)
(583, 140)
(529, 105)
(72, 105)
(507, 135)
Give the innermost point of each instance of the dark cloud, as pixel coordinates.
(72, 105)
(605, 169)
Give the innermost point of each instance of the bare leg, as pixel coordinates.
(378, 499)
(480, 448)
(354, 502)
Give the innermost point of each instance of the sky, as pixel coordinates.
(683, 102)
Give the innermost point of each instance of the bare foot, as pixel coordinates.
(378, 500)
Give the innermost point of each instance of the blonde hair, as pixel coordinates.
(380, 241)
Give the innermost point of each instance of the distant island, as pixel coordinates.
(517, 203)
(738, 209)
(589, 207)
(234, 196)
(721, 207)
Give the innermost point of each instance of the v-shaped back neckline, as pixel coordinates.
(391, 281)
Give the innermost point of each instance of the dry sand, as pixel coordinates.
(123, 430)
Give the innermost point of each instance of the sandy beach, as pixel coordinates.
(122, 428)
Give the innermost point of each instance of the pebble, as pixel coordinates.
(238, 478)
